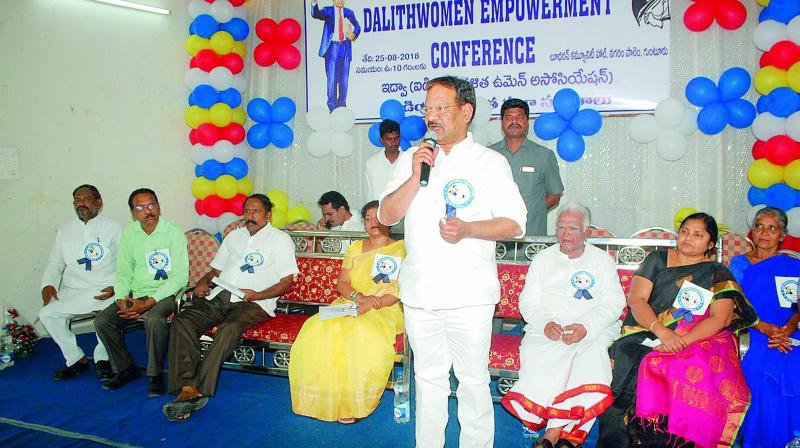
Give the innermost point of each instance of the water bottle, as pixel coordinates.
(6, 348)
(794, 443)
(402, 406)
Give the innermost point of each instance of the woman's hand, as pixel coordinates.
(671, 342)
(768, 329)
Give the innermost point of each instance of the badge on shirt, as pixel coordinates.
(92, 252)
(582, 281)
(458, 193)
(158, 263)
(692, 300)
(528, 169)
(786, 288)
(385, 268)
(252, 261)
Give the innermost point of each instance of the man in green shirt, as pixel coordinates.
(533, 166)
(152, 266)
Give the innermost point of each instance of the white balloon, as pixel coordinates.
(794, 221)
(220, 78)
(207, 223)
(225, 219)
(768, 33)
(688, 125)
(766, 126)
(793, 126)
(671, 145)
(483, 111)
(342, 119)
(479, 133)
(239, 82)
(495, 131)
(342, 144)
(793, 30)
(240, 12)
(318, 144)
(200, 154)
(644, 128)
(241, 151)
(223, 151)
(197, 7)
(221, 11)
(751, 214)
(319, 119)
(194, 77)
(669, 113)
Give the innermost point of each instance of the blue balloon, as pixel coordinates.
(586, 122)
(763, 15)
(404, 144)
(780, 196)
(570, 146)
(258, 136)
(756, 196)
(712, 119)
(762, 105)
(231, 97)
(392, 110)
(741, 113)
(412, 127)
(375, 135)
(702, 91)
(236, 27)
(566, 103)
(198, 171)
(204, 26)
(236, 168)
(283, 109)
(783, 10)
(204, 96)
(733, 83)
(212, 169)
(281, 135)
(783, 102)
(260, 111)
(218, 236)
(549, 126)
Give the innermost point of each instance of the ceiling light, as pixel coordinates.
(135, 6)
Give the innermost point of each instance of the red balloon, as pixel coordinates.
(266, 29)
(699, 15)
(288, 57)
(198, 206)
(207, 60)
(731, 14)
(759, 149)
(288, 31)
(232, 62)
(236, 204)
(784, 54)
(193, 137)
(233, 133)
(207, 134)
(193, 63)
(782, 150)
(237, 3)
(209, 1)
(791, 243)
(265, 54)
(765, 60)
(213, 206)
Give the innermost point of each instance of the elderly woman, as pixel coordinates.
(689, 387)
(771, 366)
(339, 367)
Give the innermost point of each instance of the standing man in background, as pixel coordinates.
(379, 166)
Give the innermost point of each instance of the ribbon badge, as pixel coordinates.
(385, 266)
(789, 291)
(690, 300)
(582, 281)
(458, 193)
(251, 262)
(159, 262)
(91, 252)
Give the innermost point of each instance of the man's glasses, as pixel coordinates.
(568, 230)
(431, 109)
(140, 208)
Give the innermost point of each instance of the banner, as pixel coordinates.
(614, 54)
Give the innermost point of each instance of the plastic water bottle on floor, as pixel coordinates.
(402, 406)
(6, 348)
(794, 443)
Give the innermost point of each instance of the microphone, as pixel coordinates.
(431, 138)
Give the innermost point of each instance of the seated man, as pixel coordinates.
(336, 216)
(152, 266)
(571, 302)
(83, 262)
(258, 259)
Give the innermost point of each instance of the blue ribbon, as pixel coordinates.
(683, 312)
(161, 275)
(381, 278)
(583, 294)
(87, 262)
(450, 211)
(247, 268)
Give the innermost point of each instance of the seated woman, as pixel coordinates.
(689, 389)
(339, 367)
(770, 366)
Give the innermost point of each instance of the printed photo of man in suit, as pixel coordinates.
(340, 29)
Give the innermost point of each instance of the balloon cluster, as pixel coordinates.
(484, 130)
(568, 124)
(215, 114)
(277, 45)
(330, 131)
(770, 32)
(271, 119)
(412, 127)
(782, 11)
(721, 105)
(730, 14)
(282, 214)
(672, 123)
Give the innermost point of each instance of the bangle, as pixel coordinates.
(353, 295)
(652, 325)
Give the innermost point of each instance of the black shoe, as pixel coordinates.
(155, 386)
(542, 443)
(122, 378)
(70, 371)
(563, 443)
(103, 371)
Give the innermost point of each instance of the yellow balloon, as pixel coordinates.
(791, 174)
(226, 186)
(195, 43)
(769, 78)
(220, 115)
(278, 198)
(239, 48)
(299, 213)
(762, 173)
(680, 215)
(793, 77)
(195, 116)
(245, 186)
(202, 187)
(278, 219)
(238, 116)
(222, 42)
(763, 3)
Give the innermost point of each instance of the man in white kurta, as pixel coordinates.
(379, 167)
(571, 302)
(79, 279)
(448, 283)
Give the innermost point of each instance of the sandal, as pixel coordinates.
(348, 420)
(181, 410)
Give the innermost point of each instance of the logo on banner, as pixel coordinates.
(582, 281)
(92, 252)
(458, 193)
(251, 262)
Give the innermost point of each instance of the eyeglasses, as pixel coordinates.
(569, 230)
(768, 229)
(430, 109)
(140, 208)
